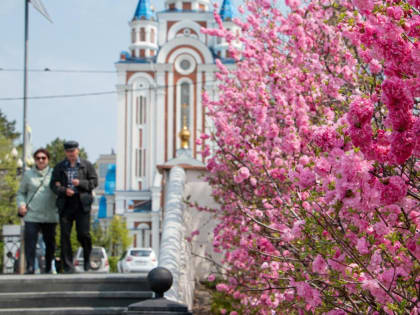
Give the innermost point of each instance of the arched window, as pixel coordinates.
(133, 35)
(185, 104)
(152, 35)
(142, 34)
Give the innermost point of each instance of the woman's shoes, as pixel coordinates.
(29, 271)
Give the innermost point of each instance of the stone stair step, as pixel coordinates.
(74, 282)
(72, 298)
(64, 311)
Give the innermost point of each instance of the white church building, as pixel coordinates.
(161, 77)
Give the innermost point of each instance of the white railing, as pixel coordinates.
(175, 251)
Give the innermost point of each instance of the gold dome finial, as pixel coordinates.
(184, 134)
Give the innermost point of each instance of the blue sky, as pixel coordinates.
(85, 35)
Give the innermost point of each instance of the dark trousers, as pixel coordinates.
(73, 211)
(31, 238)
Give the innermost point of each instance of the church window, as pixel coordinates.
(140, 138)
(142, 34)
(141, 110)
(172, 6)
(186, 6)
(185, 64)
(133, 36)
(142, 53)
(185, 104)
(201, 7)
(152, 35)
(140, 162)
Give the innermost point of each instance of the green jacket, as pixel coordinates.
(42, 207)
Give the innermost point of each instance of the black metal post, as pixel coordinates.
(160, 280)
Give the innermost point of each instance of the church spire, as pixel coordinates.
(143, 11)
(227, 12)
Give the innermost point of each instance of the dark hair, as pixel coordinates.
(42, 150)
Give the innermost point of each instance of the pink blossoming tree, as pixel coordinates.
(317, 160)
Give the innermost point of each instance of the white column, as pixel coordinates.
(162, 32)
(131, 150)
(147, 237)
(171, 104)
(159, 141)
(120, 136)
(119, 205)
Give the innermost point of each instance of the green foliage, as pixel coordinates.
(113, 260)
(56, 150)
(115, 239)
(8, 177)
(99, 235)
(8, 173)
(119, 237)
(220, 300)
(7, 128)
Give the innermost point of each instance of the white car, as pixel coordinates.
(137, 259)
(98, 260)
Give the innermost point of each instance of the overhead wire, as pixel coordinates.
(94, 93)
(57, 70)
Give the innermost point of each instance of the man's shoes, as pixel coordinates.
(86, 265)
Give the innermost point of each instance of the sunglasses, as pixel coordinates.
(39, 158)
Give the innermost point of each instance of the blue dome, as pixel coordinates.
(102, 208)
(143, 11)
(227, 11)
(110, 180)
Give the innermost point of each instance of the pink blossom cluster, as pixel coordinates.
(316, 167)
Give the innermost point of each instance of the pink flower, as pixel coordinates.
(211, 278)
(360, 112)
(309, 294)
(319, 265)
(375, 67)
(306, 178)
(362, 246)
(293, 4)
(393, 190)
(242, 174)
(364, 5)
(222, 287)
(254, 158)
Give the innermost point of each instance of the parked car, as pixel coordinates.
(98, 260)
(137, 259)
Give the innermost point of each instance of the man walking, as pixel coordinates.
(73, 180)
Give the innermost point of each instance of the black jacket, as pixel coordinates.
(88, 181)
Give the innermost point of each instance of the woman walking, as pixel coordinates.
(36, 203)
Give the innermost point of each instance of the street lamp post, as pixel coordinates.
(37, 4)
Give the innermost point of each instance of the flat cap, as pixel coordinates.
(70, 145)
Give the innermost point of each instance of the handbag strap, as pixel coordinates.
(37, 189)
